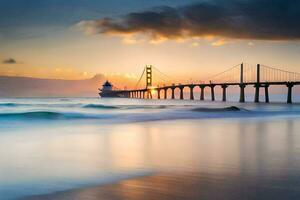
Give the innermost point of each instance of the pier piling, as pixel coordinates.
(202, 87)
(290, 90)
(173, 92)
(212, 87)
(191, 92)
(158, 93)
(242, 93)
(224, 92)
(257, 85)
(181, 92)
(166, 93)
(267, 100)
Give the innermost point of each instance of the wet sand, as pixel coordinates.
(184, 186)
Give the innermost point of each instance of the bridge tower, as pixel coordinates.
(242, 85)
(149, 80)
(148, 76)
(257, 84)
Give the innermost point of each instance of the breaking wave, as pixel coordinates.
(100, 106)
(10, 104)
(225, 109)
(80, 105)
(124, 107)
(129, 114)
(33, 115)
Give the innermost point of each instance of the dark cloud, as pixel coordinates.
(9, 61)
(239, 19)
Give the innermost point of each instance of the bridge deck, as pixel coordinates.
(262, 84)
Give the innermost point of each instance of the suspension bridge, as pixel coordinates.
(241, 75)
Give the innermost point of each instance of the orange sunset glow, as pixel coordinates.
(149, 100)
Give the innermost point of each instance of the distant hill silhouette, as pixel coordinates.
(36, 87)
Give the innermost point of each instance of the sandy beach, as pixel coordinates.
(183, 186)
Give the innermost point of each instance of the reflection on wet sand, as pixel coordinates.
(187, 187)
(244, 159)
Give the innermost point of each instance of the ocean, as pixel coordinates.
(49, 145)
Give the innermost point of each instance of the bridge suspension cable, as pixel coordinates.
(240, 73)
(160, 72)
(226, 76)
(272, 74)
(138, 82)
(161, 78)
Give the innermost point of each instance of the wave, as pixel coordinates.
(33, 115)
(39, 105)
(51, 115)
(11, 104)
(81, 105)
(147, 106)
(64, 99)
(137, 116)
(225, 109)
(124, 107)
(100, 106)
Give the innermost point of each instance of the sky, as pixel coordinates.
(189, 39)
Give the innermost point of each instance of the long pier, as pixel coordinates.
(258, 84)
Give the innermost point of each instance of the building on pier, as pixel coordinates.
(107, 90)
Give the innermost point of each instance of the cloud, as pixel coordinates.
(234, 19)
(219, 42)
(9, 61)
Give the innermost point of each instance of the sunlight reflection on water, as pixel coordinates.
(39, 157)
